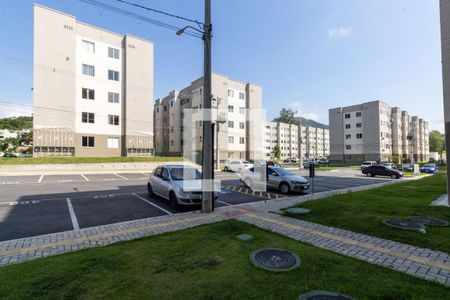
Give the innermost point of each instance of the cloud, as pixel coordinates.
(8, 110)
(339, 32)
(310, 113)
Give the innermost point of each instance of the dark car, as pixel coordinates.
(381, 170)
(273, 163)
(408, 168)
(290, 160)
(429, 168)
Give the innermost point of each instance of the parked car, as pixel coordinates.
(408, 168)
(279, 179)
(367, 163)
(429, 168)
(289, 160)
(237, 166)
(389, 165)
(273, 163)
(307, 163)
(179, 184)
(12, 155)
(381, 170)
(323, 161)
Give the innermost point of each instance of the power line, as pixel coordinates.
(162, 12)
(136, 16)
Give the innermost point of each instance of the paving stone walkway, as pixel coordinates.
(415, 261)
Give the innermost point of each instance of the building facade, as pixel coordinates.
(375, 131)
(90, 88)
(295, 141)
(238, 103)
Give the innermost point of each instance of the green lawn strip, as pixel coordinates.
(365, 211)
(84, 160)
(206, 262)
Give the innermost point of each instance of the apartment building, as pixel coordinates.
(376, 131)
(6, 134)
(239, 104)
(296, 141)
(93, 89)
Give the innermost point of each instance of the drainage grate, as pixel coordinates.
(429, 221)
(323, 295)
(245, 237)
(273, 259)
(298, 210)
(403, 224)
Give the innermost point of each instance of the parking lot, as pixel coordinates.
(41, 204)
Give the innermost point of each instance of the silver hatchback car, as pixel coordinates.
(279, 179)
(179, 184)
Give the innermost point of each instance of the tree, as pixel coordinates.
(16, 123)
(276, 152)
(437, 141)
(287, 115)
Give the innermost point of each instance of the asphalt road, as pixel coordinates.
(41, 204)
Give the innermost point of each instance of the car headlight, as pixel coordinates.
(183, 192)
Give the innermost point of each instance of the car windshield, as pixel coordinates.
(185, 174)
(283, 172)
(366, 163)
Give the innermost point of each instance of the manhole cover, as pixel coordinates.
(274, 259)
(430, 221)
(403, 224)
(298, 210)
(245, 237)
(323, 295)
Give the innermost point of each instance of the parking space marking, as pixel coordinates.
(85, 178)
(40, 178)
(120, 176)
(228, 204)
(247, 191)
(152, 204)
(73, 217)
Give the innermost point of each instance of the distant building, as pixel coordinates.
(6, 134)
(375, 131)
(236, 138)
(93, 89)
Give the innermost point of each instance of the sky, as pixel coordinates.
(309, 55)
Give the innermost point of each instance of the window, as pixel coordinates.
(347, 116)
(358, 125)
(241, 125)
(230, 108)
(87, 141)
(171, 103)
(348, 147)
(348, 136)
(113, 75)
(88, 46)
(87, 94)
(242, 110)
(358, 114)
(113, 143)
(230, 93)
(359, 135)
(88, 70)
(114, 98)
(347, 126)
(87, 117)
(113, 120)
(241, 140)
(230, 124)
(241, 95)
(113, 53)
(231, 139)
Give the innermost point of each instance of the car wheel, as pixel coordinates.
(248, 182)
(173, 201)
(150, 190)
(226, 169)
(372, 175)
(284, 188)
(393, 176)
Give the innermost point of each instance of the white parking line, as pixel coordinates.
(85, 178)
(73, 217)
(120, 176)
(40, 178)
(228, 204)
(152, 204)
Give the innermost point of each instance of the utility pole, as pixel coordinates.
(208, 143)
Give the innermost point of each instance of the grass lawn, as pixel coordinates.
(206, 262)
(364, 211)
(83, 160)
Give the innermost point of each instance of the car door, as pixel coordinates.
(165, 183)
(156, 181)
(234, 166)
(273, 178)
(384, 171)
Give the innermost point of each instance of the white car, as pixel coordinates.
(367, 163)
(237, 166)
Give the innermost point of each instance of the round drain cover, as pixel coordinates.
(323, 295)
(430, 221)
(403, 224)
(274, 259)
(298, 210)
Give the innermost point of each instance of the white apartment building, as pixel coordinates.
(6, 134)
(375, 131)
(295, 141)
(93, 89)
(237, 102)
